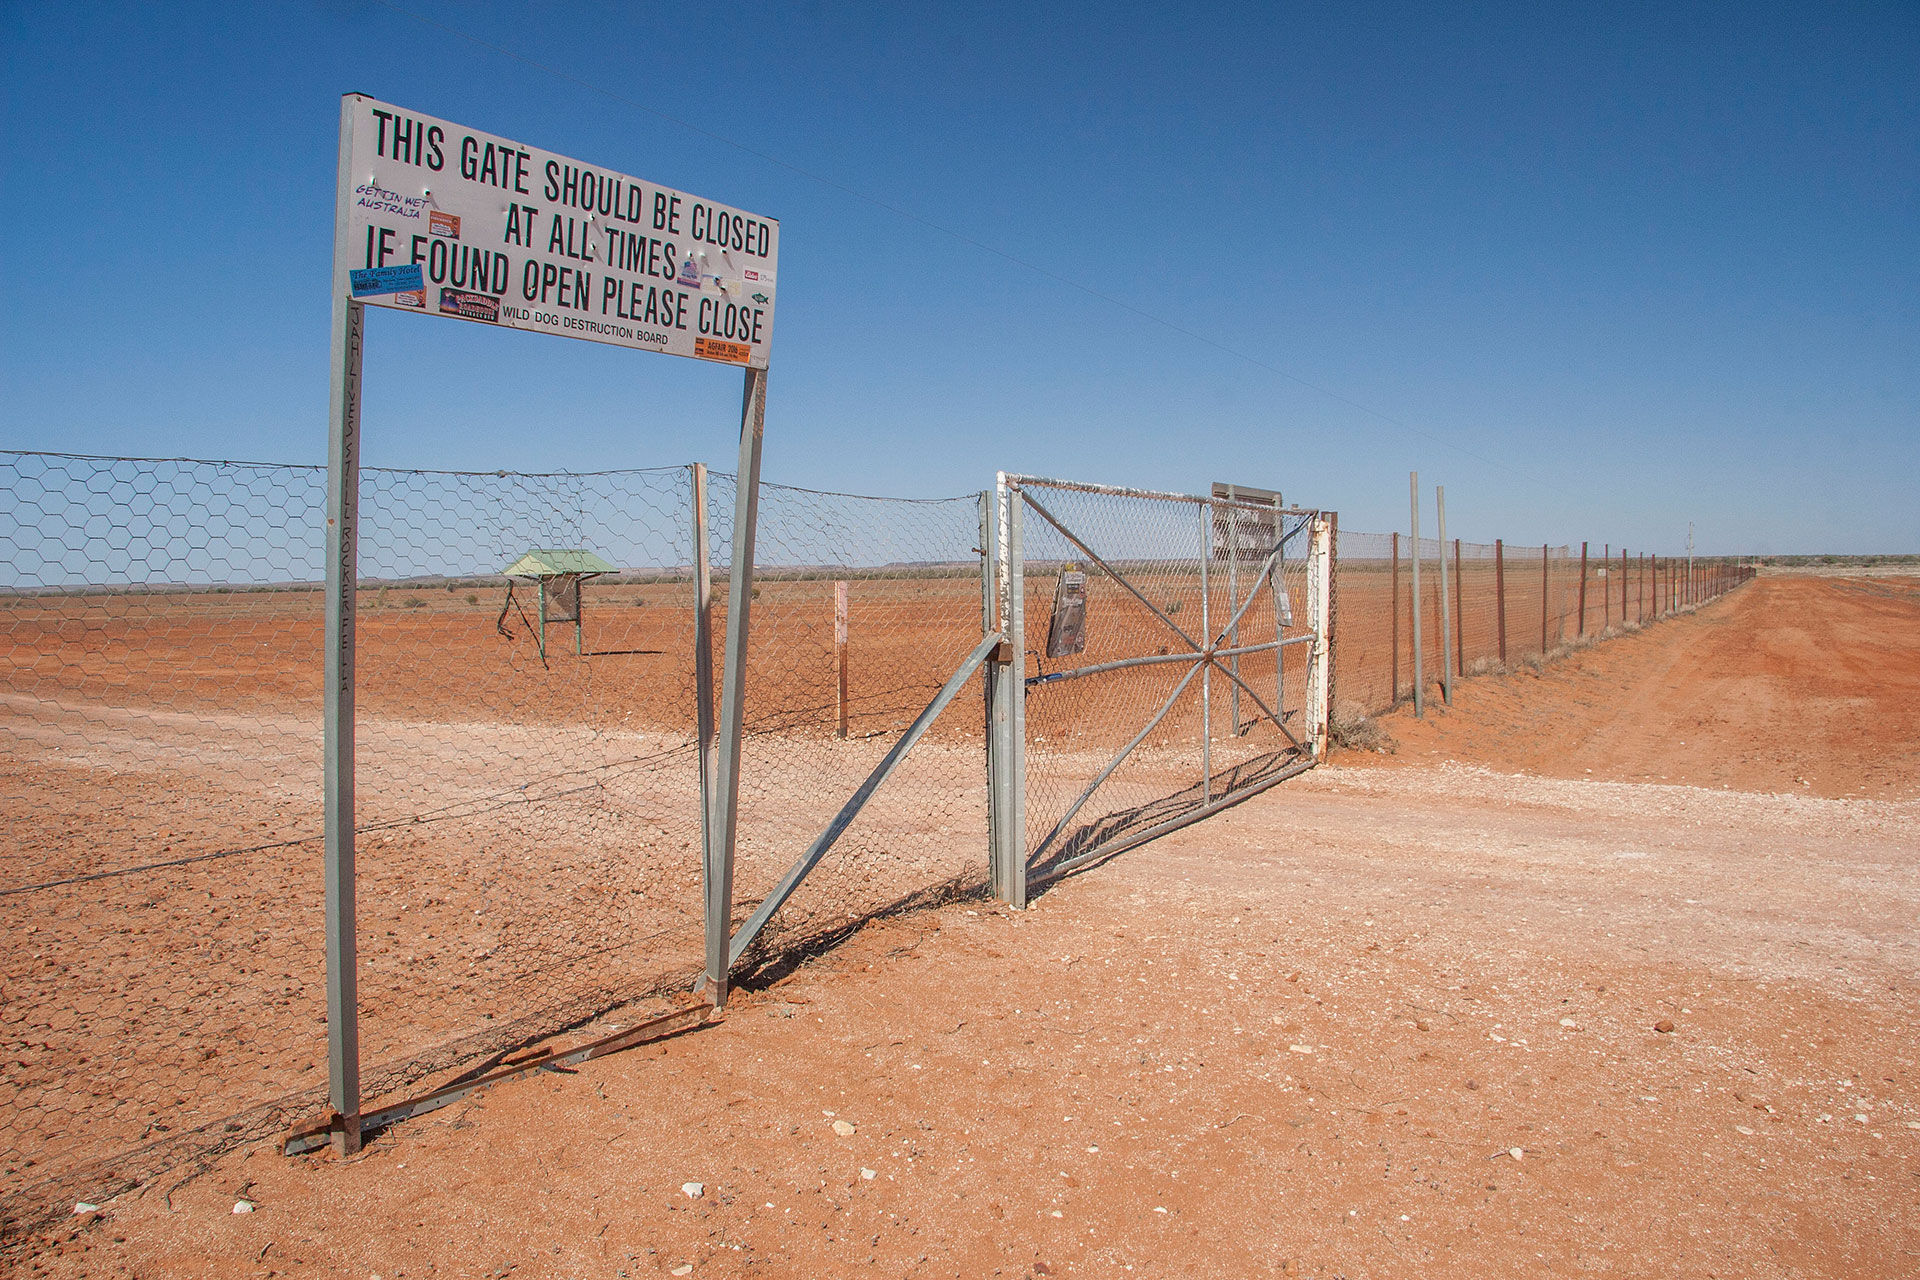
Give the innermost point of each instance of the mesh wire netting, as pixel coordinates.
(527, 797)
(1204, 729)
(912, 572)
(527, 794)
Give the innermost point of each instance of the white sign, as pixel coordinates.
(450, 221)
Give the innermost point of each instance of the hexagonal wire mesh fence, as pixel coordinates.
(862, 608)
(529, 816)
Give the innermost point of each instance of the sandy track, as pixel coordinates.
(1304, 1038)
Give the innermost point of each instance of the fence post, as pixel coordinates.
(1008, 740)
(1233, 598)
(1393, 615)
(1500, 594)
(1546, 563)
(1623, 586)
(1419, 677)
(840, 651)
(1333, 609)
(1583, 590)
(1206, 671)
(1446, 609)
(1459, 616)
(1276, 583)
(1320, 665)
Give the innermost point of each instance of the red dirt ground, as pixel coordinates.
(1605, 972)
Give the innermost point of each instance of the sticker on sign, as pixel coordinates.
(505, 233)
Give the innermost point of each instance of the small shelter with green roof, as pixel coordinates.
(560, 571)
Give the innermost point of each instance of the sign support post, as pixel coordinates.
(726, 798)
(437, 218)
(343, 555)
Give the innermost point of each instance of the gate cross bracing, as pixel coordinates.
(1126, 742)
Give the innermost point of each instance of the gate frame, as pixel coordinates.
(1008, 876)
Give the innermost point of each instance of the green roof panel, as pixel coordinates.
(548, 562)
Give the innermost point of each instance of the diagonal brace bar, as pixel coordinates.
(1115, 763)
(1110, 571)
(851, 809)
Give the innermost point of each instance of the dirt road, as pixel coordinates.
(1471, 1009)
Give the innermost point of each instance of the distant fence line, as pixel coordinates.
(1501, 605)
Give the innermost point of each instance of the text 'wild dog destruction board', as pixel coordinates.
(454, 222)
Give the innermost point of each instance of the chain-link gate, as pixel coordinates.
(1181, 667)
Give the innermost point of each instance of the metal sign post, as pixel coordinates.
(726, 796)
(438, 219)
(1446, 607)
(343, 550)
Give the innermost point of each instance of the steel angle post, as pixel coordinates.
(1446, 605)
(726, 813)
(342, 572)
(808, 860)
(1206, 669)
(1419, 672)
(703, 672)
(1233, 589)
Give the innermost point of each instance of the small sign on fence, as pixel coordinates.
(1067, 630)
(446, 220)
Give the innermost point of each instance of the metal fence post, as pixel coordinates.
(1233, 598)
(1446, 608)
(1333, 610)
(1276, 583)
(1393, 614)
(1419, 692)
(989, 672)
(1500, 594)
(746, 516)
(1459, 615)
(343, 576)
(1320, 663)
(1009, 877)
(1206, 670)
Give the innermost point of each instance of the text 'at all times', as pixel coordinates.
(638, 268)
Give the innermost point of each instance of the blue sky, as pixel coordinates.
(1599, 272)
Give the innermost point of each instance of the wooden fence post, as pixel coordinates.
(1583, 589)
(1545, 564)
(1500, 594)
(840, 648)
